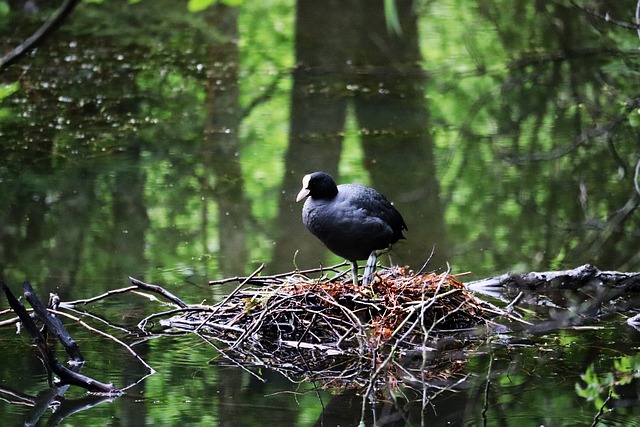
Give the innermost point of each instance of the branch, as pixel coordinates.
(53, 324)
(563, 279)
(261, 280)
(607, 18)
(231, 295)
(111, 337)
(46, 29)
(66, 375)
(159, 290)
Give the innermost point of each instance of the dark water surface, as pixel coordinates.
(150, 141)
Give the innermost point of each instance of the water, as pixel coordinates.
(145, 140)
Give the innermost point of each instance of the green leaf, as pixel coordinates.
(391, 17)
(4, 8)
(199, 5)
(8, 89)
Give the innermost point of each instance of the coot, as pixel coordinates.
(353, 221)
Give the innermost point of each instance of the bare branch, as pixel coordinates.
(37, 37)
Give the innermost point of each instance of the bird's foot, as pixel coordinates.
(354, 272)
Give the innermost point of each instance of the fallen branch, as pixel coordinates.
(53, 324)
(109, 336)
(37, 37)
(160, 291)
(564, 279)
(67, 376)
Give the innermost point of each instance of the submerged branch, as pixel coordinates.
(37, 37)
(66, 375)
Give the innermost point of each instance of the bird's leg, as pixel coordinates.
(370, 268)
(354, 272)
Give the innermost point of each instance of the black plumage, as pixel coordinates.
(353, 221)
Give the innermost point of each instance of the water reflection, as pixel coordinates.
(149, 141)
(389, 109)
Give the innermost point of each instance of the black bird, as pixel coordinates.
(353, 221)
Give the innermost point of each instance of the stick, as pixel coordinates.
(53, 323)
(66, 375)
(159, 290)
(46, 29)
(106, 335)
(231, 295)
(280, 275)
(576, 276)
(67, 304)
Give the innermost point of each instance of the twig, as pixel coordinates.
(96, 318)
(159, 290)
(46, 29)
(106, 335)
(8, 322)
(601, 410)
(509, 308)
(352, 317)
(269, 306)
(487, 389)
(275, 277)
(67, 304)
(231, 295)
(425, 335)
(392, 352)
(142, 325)
(424, 266)
(66, 375)
(231, 359)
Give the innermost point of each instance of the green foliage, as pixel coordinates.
(200, 5)
(8, 89)
(599, 384)
(391, 17)
(535, 136)
(508, 111)
(4, 8)
(597, 388)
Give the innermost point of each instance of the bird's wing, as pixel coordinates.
(375, 204)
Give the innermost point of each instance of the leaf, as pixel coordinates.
(391, 17)
(4, 8)
(199, 5)
(8, 89)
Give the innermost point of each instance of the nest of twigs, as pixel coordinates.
(344, 334)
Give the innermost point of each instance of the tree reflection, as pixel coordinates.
(346, 55)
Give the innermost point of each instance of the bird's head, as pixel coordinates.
(318, 185)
